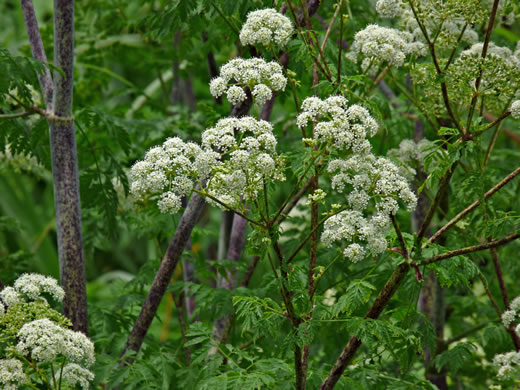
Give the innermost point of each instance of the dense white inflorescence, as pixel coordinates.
(10, 296)
(248, 155)
(266, 27)
(368, 181)
(344, 127)
(410, 155)
(12, 375)
(20, 162)
(259, 76)
(74, 375)
(43, 341)
(389, 8)
(167, 171)
(382, 45)
(499, 72)
(33, 285)
(509, 316)
(508, 364)
(515, 109)
(371, 182)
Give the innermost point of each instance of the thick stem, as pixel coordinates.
(162, 278)
(65, 170)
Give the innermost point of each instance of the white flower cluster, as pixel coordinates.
(509, 316)
(167, 171)
(248, 155)
(44, 341)
(345, 127)
(372, 181)
(508, 364)
(410, 155)
(20, 162)
(259, 76)
(266, 27)
(11, 374)
(31, 286)
(235, 156)
(36, 97)
(389, 8)
(10, 296)
(515, 109)
(500, 69)
(75, 375)
(382, 45)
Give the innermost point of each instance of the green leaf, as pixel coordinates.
(455, 358)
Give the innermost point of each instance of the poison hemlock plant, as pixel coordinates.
(312, 196)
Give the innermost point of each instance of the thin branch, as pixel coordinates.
(492, 124)
(404, 249)
(452, 55)
(37, 50)
(443, 187)
(500, 277)
(16, 115)
(329, 29)
(444, 89)
(466, 333)
(491, 244)
(484, 53)
(472, 206)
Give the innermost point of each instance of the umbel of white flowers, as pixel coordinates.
(382, 45)
(371, 182)
(259, 76)
(266, 27)
(235, 157)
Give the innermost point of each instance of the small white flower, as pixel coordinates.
(44, 341)
(33, 285)
(10, 296)
(354, 252)
(266, 27)
(329, 297)
(261, 77)
(383, 45)
(236, 95)
(337, 124)
(389, 8)
(169, 203)
(508, 317)
(515, 109)
(262, 93)
(74, 375)
(11, 374)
